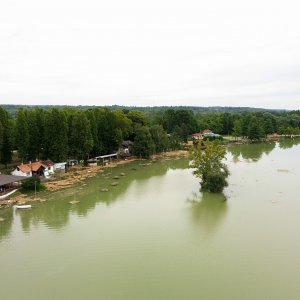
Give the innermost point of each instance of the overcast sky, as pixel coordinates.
(146, 53)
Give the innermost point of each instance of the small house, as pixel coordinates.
(60, 166)
(37, 168)
(125, 148)
(72, 162)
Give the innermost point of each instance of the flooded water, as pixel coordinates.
(155, 236)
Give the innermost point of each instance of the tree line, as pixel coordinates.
(59, 134)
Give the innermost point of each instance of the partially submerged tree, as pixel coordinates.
(209, 166)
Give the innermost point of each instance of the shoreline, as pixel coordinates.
(79, 175)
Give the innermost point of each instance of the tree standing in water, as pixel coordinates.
(209, 167)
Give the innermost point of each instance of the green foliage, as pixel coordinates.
(79, 134)
(160, 138)
(255, 130)
(181, 122)
(237, 128)
(22, 134)
(213, 138)
(56, 135)
(6, 145)
(60, 132)
(209, 166)
(143, 144)
(214, 181)
(32, 183)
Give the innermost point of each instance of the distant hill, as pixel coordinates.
(12, 108)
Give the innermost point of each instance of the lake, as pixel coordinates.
(155, 236)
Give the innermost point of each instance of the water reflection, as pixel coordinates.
(250, 152)
(288, 143)
(208, 210)
(55, 213)
(6, 223)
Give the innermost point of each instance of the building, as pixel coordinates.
(9, 184)
(125, 148)
(37, 168)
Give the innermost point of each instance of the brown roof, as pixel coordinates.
(206, 131)
(35, 166)
(6, 179)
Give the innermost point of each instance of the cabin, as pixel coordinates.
(72, 162)
(125, 148)
(9, 184)
(38, 168)
(199, 135)
(60, 166)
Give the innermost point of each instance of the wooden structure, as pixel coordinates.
(103, 157)
(9, 183)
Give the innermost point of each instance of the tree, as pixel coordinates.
(22, 134)
(80, 136)
(237, 128)
(160, 138)
(56, 135)
(255, 130)
(7, 125)
(209, 166)
(143, 144)
(34, 145)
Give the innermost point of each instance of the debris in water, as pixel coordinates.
(122, 174)
(2, 219)
(74, 202)
(114, 183)
(104, 190)
(116, 177)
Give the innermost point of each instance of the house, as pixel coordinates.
(37, 168)
(125, 148)
(60, 166)
(206, 131)
(72, 162)
(201, 134)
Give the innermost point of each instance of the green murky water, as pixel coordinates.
(155, 236)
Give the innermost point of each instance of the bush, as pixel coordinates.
(30, 183)
(214, 181)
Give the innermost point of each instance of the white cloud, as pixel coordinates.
(159, 53)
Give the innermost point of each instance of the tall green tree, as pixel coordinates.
(7, 125)
(237, 130)
(255, 129)
(80, 136)
(143, 144)
(56, 135)
(34, 145)
(209, 167)
(160, 138)
(22, 134)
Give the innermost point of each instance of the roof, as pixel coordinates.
(6, 179)
(35, 166)
(127, 143)
(206, 131)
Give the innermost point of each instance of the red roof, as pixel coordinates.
(35, 166)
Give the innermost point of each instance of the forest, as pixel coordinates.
(60, 133)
